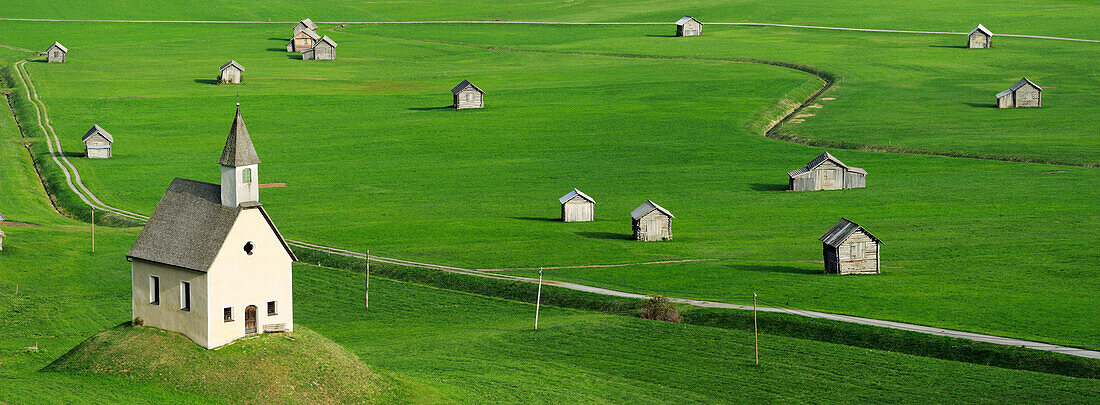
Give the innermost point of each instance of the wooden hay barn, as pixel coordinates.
(1022, 94)
(302, 41)
(97, 143)
(826, 172)
(324, 49)
(577, 206)
(466, 95)
(979, 37)
(230, 73)
(652, 222)
(306, 24)
(688, 27)
(850, 249)
(56, 53)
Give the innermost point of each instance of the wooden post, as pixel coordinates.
(366, 290)
(755, 331)
(538, 301)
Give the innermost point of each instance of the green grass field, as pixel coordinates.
(999, 245)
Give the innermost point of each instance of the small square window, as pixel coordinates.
(271, 308)
(228, 314)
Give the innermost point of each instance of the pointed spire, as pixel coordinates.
(238, 147)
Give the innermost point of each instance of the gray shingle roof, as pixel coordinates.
(463, 85)
(647, 207)
(819, 160)
(1017, 86)
(58, 46)
(326, 39)
(2, 217)
(308, 23)
(238, 149)
(311, 34)
(575, 193)
(982, 29)
(840, 232)
(233, 63)
(97, 129)
(685, 19)
(189, 227)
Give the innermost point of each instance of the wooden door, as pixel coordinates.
(829, 179)
(250, 320)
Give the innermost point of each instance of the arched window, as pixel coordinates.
(246, 175)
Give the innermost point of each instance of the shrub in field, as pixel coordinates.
(661, 309)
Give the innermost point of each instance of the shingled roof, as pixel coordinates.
(234, 64)
(309, 24)
(819, 160)
(58, 46)
(326, 39)
(840, 232)
(647, 207)
(685, 19)
(1018, 85)
(189, 227)
(575, 193)
(462, 86)
(97, 129)
(238, 149)
(982, 29)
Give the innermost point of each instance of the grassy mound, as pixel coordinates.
(302, 366)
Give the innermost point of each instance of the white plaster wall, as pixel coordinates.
(234, 191)
(168, 315)
(238, 280)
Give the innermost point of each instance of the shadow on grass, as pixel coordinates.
(544, 219)
(447, 107)
(661, 36)
(283, 49)
(606, 235)
(71, 154)
(293, 55)
(774, 269)
(279, 39)
(982, 105)
(206, 81)
(768, 186)
(947, 46)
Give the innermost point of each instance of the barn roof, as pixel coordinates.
(326, 39)
(96, 128)
(684, 20)
(2, 217)
(189, 227)
(232, 63)
(840, 232)
(575, 193)
(982, 29)
(647, 207)
(1018, 85)
(819, 160)
(309, 24)
(238, 149)
(311, 34)
(58, 46)
(462, 86)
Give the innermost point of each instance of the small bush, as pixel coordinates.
(138, 321)
(661, 309)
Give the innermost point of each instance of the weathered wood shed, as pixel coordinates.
(1022, 94)
(688, 27)
(324, 49)
(577, 206)
(306, 24)
(850, 249)
(466, 95)
(231, 72)
(652, 222)
(56, 53)
(302, 41)
(97, 143)
(979, 37)
(826, 172)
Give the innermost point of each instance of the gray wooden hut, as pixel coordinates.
(577, 206)
(231, 72)
(826, 172)
(688, 27)
(302, 41)
(652, 222)
(97, 143)
(979, 37)
(324, 49)
(466, 95)
(850, 249)
(1022, 94)
(56, 53)
(305, 24)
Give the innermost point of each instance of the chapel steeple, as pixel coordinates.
(240, 183)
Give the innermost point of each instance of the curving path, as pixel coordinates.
(73, 179)
(756, 24)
